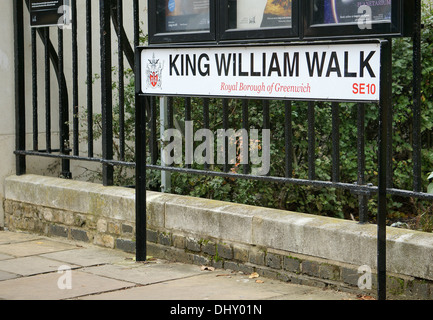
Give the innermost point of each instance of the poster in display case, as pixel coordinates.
(45, 13)
(181, 21)
(355, 18)
(259, 19)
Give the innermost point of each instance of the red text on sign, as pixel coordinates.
(364, 88)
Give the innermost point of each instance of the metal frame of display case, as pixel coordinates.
(400, 24)
(226, 33)
(156, 24)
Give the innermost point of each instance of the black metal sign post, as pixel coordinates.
(140, 167)
(140, 187)
(384, 109)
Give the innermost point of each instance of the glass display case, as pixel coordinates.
(259, 19)
(354, 18)
(181, 21)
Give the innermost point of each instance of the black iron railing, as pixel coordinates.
(53, 60)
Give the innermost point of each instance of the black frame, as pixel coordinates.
(400, 25)
(155, 23)
(284, 33)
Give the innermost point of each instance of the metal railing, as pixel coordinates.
(110, 13)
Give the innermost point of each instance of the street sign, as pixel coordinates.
(345, 71)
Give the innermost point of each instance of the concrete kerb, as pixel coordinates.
(409, 252)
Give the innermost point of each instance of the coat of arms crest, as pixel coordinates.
(154, 73)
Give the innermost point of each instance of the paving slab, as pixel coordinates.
(34, 247)
(29, 270)
(86, 257)
(5, 256)
(27, 266)
(216, 286)
(7, 275)
(12, 237)
(45, 286)
(145, 274)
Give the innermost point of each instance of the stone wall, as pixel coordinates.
(288, 246)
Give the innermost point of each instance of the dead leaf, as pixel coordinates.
(259, 281)
(254, 275)
(205, 268)
(364, 297)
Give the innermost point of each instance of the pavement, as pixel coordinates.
(34, 267)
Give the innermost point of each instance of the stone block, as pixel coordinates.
(152, 236)
(126, 228)
(310, 268)
(125, 245)
(219, 264)
(267, 273)
(193, 245)
(67, 218)
(47, 214)
(114, 227)
(155, 206)
(80, 235)
(246, 268)
(328, 271)
(200, 260)
(164, 239)
(208, 217)
(104, 240)
(292, 264)
(273, 260)
(225, 251)
(349, 276)
(418, 289)
(209, 247)
(179, 241)
(58, 231)
(102, 225)
(257, 257)
(231, 265)
(240, 254)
